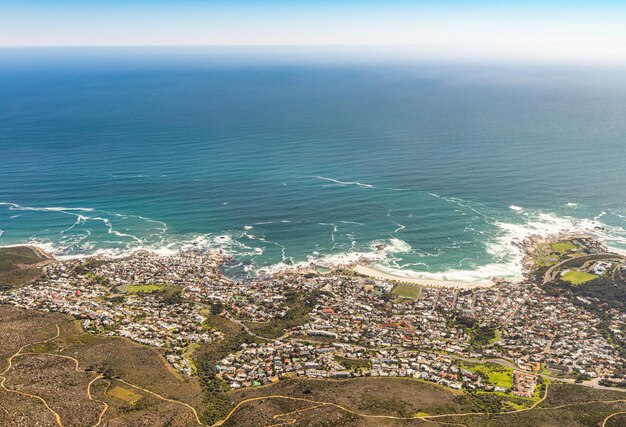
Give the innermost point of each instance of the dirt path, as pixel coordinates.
(604, 421)
(191, 408)
(77, 368)
(105, 406)
(13, 423)
(249, 332)
(3, 378)
(427, 418)
(291, 421)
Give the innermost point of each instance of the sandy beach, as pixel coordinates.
(376, 274)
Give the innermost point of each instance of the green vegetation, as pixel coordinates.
(540, 390)
(598, 294)
(563, 246)
(577, 413)
(481, 335)
(216, 402)
(116, 298)
(171, 295)
(354, 364)
(496, 337)
(578, 277)
(217, 308)
(168, 294)
(406, 291)
(549, 254)
(492, 402)
(96, 278)
(494, 374)
(608, 289)
(89, 265)
(299, 308)
(144, 289)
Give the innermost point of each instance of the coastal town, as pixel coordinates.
(505, 338)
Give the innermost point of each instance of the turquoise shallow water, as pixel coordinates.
(429, 169)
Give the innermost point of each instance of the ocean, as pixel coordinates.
(427, 169)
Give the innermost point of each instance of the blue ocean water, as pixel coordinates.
(430, 169)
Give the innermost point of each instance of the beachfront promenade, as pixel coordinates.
(380, 275)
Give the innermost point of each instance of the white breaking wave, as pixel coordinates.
(400, 227)
(336, 181)
(16, 207)
(351, 222)
(502, 247)
(388, 248)
(464, 205)
(332, 233)
(396, 246)
(73, 238)
(506, 251)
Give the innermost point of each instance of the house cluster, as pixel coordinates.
(186, 268)
(356, 326)
(600, 267)
(174, 327)
(358, 312)
(253, 300)
(524, 384)
(199, 275)
(535, 327)
(541, 327)
(256, 365)
(617, 326)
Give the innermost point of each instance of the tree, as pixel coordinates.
(217, 308)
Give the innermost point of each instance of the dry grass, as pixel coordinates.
(55, 380)
(124, 394)
(375, 396)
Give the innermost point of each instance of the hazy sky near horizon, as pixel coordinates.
(587, 31)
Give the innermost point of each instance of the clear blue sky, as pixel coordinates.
(592, 30)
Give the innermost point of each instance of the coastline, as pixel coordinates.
(363, 266)
(368, 271)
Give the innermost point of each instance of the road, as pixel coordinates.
(549, 275)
